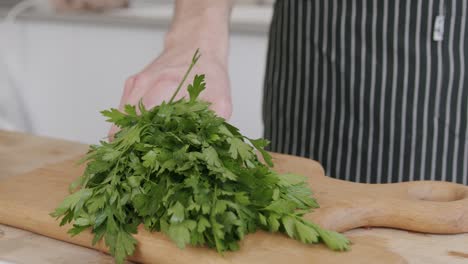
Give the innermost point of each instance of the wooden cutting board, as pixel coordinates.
(26, 200)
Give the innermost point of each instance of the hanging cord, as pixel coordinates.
(13, 70)
(19, 8)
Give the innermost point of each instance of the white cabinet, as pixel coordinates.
(71, 71)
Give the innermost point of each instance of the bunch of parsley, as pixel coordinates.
(180, 169)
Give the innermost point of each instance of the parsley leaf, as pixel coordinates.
(196, 87)
(180, 169)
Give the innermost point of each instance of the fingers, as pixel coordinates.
(158, 82)
(128, 88)
(161, 91)
(141, 83)
(114, 129)
(218, 93)
(223, 107)
(152, 90)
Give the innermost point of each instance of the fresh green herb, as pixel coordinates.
(180, 169)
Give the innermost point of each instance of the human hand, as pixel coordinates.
(159, 80)
(196, 25)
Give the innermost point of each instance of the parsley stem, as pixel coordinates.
(195, 58)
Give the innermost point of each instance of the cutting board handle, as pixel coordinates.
(422, 206)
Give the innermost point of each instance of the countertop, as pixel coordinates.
(20, 153)
(253, 19)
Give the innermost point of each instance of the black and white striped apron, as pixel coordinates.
(373, 89)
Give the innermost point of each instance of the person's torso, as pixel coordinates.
(375, 90)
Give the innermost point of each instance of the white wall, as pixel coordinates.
(72, 71)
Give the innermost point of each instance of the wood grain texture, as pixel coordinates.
(375, 245)
(423, 206)
(20, 153)
(26, 200)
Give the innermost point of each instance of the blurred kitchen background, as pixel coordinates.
(59, 69)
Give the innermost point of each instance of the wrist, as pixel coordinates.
(207, 30)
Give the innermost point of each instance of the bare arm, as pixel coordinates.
(205, 22)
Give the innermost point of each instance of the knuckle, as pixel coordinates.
(141, 81)
(129, 84)
(167, 77)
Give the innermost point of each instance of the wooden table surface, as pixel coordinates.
(20, 153)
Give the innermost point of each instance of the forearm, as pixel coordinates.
(201, 23)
